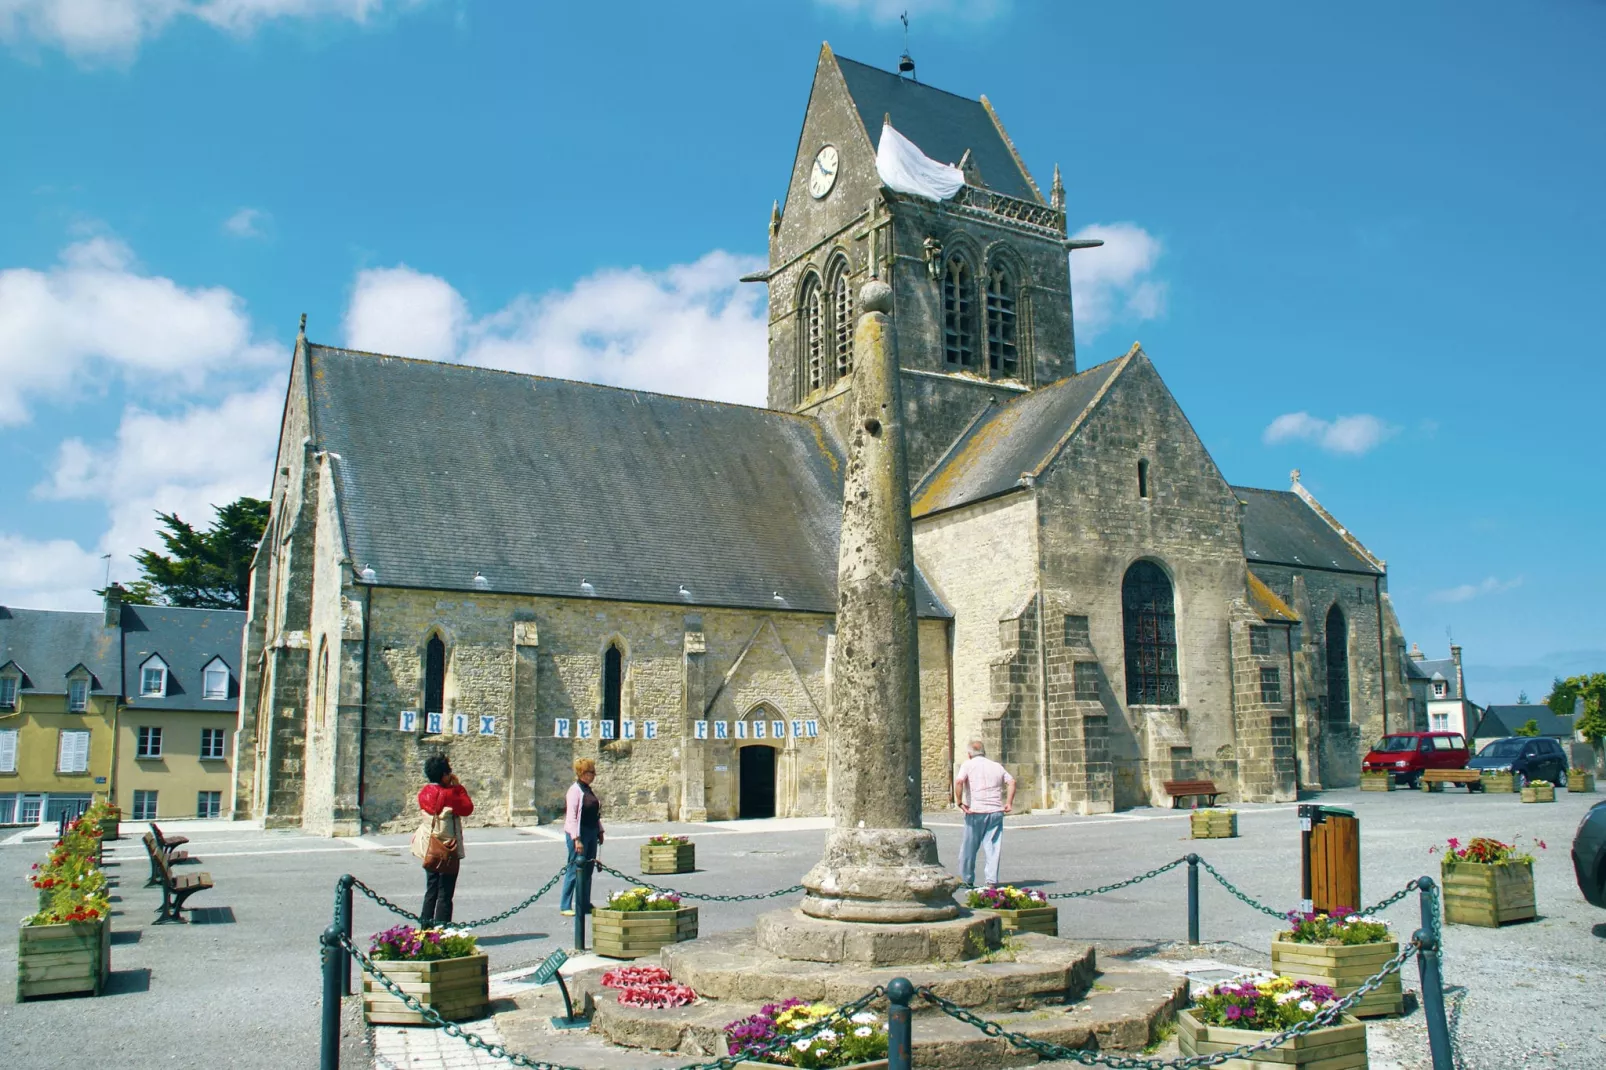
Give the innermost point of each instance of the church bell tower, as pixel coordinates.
(981, 281)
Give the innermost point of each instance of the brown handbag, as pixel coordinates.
(440, 856)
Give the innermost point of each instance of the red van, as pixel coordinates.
(1406, 754)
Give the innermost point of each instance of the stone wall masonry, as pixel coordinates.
(936, 712)
(1012, 728)
(1261, 762)
(1079, 772)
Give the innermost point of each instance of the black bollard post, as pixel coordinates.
(333, 955)
(900, 1039)
(582, 899)
(1427, 961)
(343, 919)
(1193, 899)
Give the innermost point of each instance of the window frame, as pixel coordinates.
(204, 797)
(221, 736)
(812, 332)
(839, 288)
(143, 736)
(958, 302)
(76, 702)
(156, 665)
(1001, 320)
(16, 741)
(10, 690)
(613, 685)
(1259, 640)
(434, 677)
(216, 665)
(1078, 635)
(61, 751)
(1149, 636)
(1271, 685)
(138, 810)
(1083, 674)
(1440, 689)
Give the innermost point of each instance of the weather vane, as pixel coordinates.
(906, 63)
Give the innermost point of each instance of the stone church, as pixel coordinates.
(519, 571)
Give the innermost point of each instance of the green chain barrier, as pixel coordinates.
(1103, 888)
(1248, 900)
(637, 882)
(482, 922)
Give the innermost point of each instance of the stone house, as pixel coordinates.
(520, 570)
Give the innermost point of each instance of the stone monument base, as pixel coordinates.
(792, 934)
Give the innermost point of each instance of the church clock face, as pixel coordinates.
(823, 175)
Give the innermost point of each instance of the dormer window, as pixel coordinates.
(78, 695)
(1439, 688)
(215, 680)
(153, 679)
(8, 692)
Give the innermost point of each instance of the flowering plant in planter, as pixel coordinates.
(642, 899)
(70, 886)
(1008, 897)
(1342, 927)
(859, 1039)
(1263, 1001)
(648, 986)
(668, 841)
(403, 943)
(1485, 851)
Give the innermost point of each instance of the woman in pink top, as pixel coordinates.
(582, 829)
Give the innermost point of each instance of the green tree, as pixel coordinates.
(1590, 687)
(208, 569)
(1530, 727)
(1522, 698)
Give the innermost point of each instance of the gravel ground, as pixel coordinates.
(242, 990)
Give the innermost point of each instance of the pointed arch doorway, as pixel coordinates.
(756, 788)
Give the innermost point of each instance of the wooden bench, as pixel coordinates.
(1197, 789)
(1436, 779)
(175, 890)
(153, 848)
(167, 843)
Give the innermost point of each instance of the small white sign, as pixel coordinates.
(652, 729)
(607, 729)
(797, 729)
(811, 728)
(409, 721)
(741, 729)
(432, 724)
(699, 730)
(487, 726)
(560, 728)
(722, 730)
(583, 729)
(460, 724)
(778, 729)
(759, 728)
(629, 729)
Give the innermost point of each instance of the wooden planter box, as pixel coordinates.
(668, 858)
(1338, 1047)
(1580, 781)
(1045, 920)
(456, 989)
(1476, 893)
(1343, 969)
(1539, 793)
(72, 957)
(1214, 825)
(1499, 782)
(630, 934)
(110, 828)
(1377, 781)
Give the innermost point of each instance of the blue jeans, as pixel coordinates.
(984, 832)
(572, 873)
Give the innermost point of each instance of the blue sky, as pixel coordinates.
(1361, 241)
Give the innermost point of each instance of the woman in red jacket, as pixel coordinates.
(444, 797)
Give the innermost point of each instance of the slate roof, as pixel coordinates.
(1413, 669)
(943, 124)
(1280, 529)
(1505, 720)
(445, 470)
(1445, 668)
(1014, 438)
(47, 644)
(186, 640)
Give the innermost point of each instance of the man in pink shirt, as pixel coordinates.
(991, 792)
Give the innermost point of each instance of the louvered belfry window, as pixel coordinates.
(1149, 618)
(812, 324)
(958, 315)
(842, 320)
(1002, 353)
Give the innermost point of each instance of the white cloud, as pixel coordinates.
(691, 329)
(1468, 591)
(246, 223)
(114, 29)
(1115, 282)
(1346, 434)
(94, 313)
(48, 574)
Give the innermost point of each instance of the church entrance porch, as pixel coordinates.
(756, 794)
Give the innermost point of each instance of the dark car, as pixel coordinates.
(1589, 855)
(1527, 757)
(1407, 754)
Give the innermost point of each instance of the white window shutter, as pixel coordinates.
(73, 754)
(83, 752)
(8, 751)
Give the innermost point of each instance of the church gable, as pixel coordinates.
(763, 677)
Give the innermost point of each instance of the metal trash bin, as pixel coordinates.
(1330, 851)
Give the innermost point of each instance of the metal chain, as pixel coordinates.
(492, 920)
(639, 883)
(497, 1051)
(1102, 889)
(1227, 884)
(1410, 886)
(1325, 1017)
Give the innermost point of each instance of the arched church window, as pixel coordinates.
(1337, 666)
(1150, 623)
(1143, 478)
(841, 319)
(811, 325)
(1002, 353)
(320, 696)
(613, 685)
(958, 314)
(434, 675)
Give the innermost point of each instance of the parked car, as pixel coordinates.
(1526, 757)
(1589, 855)
(1407, 754)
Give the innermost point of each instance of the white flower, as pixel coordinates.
(826, 1035)
(865, 1018)
(1287, 997)
(863, 1031)
(801, 1045)
(1308, 1006)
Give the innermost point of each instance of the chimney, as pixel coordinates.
(1460, 677)
(1416, 653)
(114, 606)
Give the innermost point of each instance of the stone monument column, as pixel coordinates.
(879, 864)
